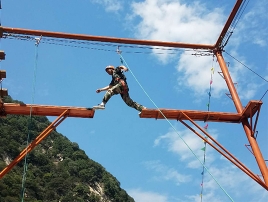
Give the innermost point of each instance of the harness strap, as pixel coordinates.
(123, 84)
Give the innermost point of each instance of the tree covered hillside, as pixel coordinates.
(57, 169)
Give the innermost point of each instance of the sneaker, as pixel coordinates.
(142, 109)
(99, 106)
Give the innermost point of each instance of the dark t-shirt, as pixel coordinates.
(117, 75)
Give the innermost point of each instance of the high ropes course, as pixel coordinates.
(246, 116)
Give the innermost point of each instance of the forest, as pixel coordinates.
(56, 170)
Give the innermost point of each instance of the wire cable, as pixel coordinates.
(246, 66)
(122, 59)
(234, 23)
(251, 71)
(25, 167)
(85, 44)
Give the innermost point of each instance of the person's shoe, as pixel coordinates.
(142, 109)
(99, 106)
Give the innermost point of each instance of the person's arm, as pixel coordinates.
(103, 89)
(123, 68)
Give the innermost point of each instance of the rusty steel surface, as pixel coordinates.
(245, 123)
(176, 114)
(252, 107)
(228, 23)
(224, 152)
(104, 38)
(46, 110)
(229, 82)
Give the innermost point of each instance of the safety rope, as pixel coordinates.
(122, 59)
(25, 167)
(206, 128)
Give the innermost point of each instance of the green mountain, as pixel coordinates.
(57, 170)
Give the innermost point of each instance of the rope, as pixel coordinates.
(251, 71)
(247, 67)
(264, 94)
(122, 59)
(206, 127)
(25, 167)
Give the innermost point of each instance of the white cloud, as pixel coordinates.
(146, 196)
(175, 144)
(254, 24)
(205, 197)
(110, 5)
(246, 88)
(251, 91)
(173, 20)
(165, 173)
(228, 176)
(195, 73)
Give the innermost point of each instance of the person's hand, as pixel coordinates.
(98, 90)
(125, 69)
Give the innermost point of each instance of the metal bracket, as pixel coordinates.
(2, 108)
(253, 128)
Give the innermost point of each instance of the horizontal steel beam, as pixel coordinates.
(46, 110)
(103, 38)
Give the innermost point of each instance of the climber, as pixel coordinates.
(118, 85)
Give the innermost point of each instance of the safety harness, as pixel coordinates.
(122, 81)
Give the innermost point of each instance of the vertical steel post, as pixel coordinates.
(252, 141)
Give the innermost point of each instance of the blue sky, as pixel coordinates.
(147, 156)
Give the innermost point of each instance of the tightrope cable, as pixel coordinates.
(25, 167)
(122, 59)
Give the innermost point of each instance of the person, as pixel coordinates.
(118, 85)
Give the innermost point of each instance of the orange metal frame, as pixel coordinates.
(46, 110)
(242, 115)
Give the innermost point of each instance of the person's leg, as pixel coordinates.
(110, 92)
(130, 102)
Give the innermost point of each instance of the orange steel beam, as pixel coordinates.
(224, 152)
(35, 142)
(46, 110)
(104, 38)
(229, 82)
(174, 114)
(247, 128)
(194, 115)
(249, 111)
(228, 23)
